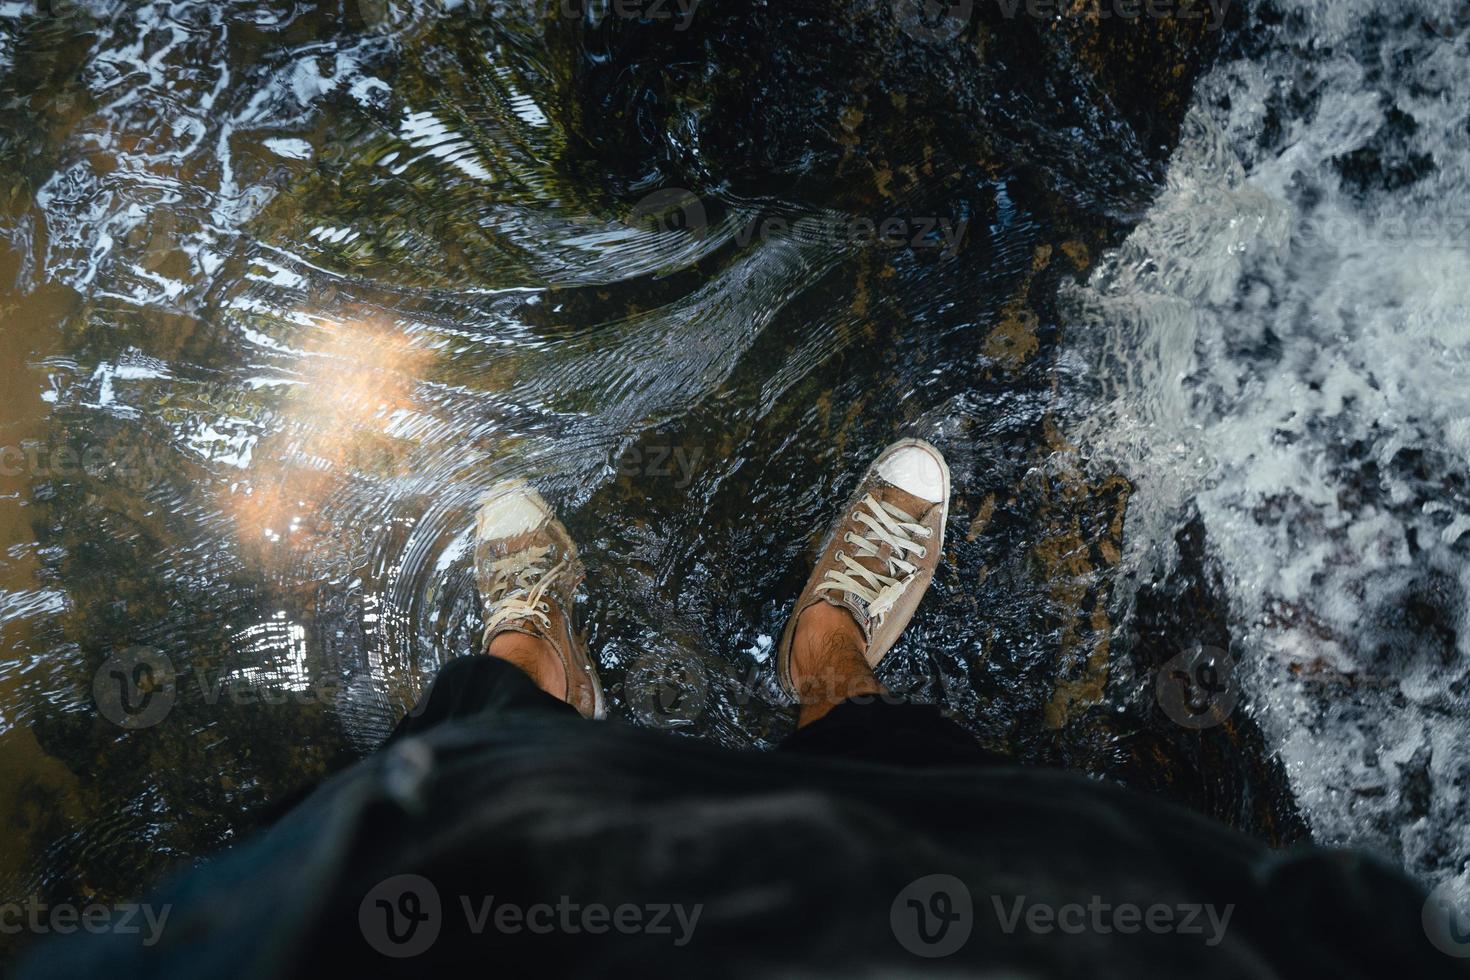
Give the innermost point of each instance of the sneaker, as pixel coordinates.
(527, 570)
(880, 557)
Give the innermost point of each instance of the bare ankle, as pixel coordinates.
(829, 661)
(535, 657)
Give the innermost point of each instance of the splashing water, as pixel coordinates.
(1282, 347)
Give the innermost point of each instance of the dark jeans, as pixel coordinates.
(497, 833)
(866, 729)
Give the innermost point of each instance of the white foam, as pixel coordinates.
(1277, 349)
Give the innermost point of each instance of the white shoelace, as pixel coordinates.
(886, 525)
(517, 588)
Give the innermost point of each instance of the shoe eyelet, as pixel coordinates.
(838, 556)
(923, 553)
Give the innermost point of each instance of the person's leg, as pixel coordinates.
(527, 570)
(876, 566)
(846, 712)
(535, 658)
(874, 569)
(828, 663)
(479, 687)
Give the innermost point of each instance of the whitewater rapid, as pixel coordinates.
(1282, 348)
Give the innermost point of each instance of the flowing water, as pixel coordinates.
(1283, 350)
(290, 285)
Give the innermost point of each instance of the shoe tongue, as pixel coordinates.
(895, 496)
(528, 626)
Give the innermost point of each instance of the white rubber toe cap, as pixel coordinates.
(510, 508)
(915, 470)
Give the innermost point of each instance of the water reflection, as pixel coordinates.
(332, 275)
(346, 414)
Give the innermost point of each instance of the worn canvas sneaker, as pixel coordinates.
(527, 570)
(881, 555)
